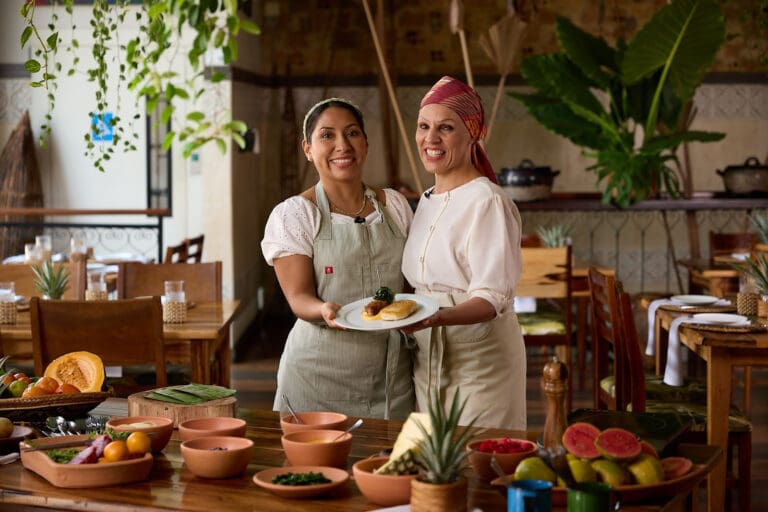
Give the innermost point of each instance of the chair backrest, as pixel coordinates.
(546, 273)
(723, 244)
(531, 240)
(195, 249)
(635, 371)
(189, 250)
(121, 332)
(606, 341)
(176, 253)
(24, 279)
(202, 281)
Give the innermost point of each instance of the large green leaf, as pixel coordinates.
(590, 54)
(661, 143)
(683, 38)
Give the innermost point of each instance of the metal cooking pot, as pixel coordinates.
(751, 178)
(527, 182)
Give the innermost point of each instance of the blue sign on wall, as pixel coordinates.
(101, 124)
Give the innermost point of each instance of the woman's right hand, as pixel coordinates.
(328, 312)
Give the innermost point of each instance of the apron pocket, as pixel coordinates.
(471, 333)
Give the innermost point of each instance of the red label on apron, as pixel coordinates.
(329, 270)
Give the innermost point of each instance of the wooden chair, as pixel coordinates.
(547, 277)
(610, 388)
(202, 281)
(121, 332)
(189, 250)
(631, 364)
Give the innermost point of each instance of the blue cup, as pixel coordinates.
(529, 496)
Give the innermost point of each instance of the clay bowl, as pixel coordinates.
(316, 448)
(212, 426)
(158, 429)
(385, 490)
(217, 456)
(313, 421)
(481, 461)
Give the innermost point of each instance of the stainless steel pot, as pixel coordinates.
(751, 178)
(527, 182)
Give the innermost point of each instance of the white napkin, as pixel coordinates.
(650, 347)
(525, 304)
(11, 457)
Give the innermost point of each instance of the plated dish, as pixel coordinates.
(695, 300)
(84, 475)
(338, 478)
(350, 315)
(636, 493)
(722, 318)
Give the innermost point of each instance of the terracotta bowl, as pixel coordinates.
(217, 456)
(316, 448)
(212, 426)
(481, 461)
(158, 429)
(385, 490)
(313, 421)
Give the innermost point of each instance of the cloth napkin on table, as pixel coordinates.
(673, 374)
(650, 346)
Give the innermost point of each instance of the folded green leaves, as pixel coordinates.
(190, 394)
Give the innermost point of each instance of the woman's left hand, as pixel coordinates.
(328, 312)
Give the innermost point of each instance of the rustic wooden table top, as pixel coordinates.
(172, 487)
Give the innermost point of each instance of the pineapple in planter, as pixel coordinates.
(52, 281)
(441, 453)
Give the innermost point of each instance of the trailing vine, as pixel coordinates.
(143, 65)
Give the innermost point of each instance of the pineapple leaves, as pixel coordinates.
(442, 452)
(52, 281)
(756, 267)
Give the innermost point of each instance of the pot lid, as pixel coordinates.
(751, 163)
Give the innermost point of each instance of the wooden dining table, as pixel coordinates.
(721, 351)
(172, 487)
(205, 329)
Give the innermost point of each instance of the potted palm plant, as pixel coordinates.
(760, 222)
(441, 456)
(627, 106)
(52, 281)
(756, 268)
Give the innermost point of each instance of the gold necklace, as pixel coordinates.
(362, 207)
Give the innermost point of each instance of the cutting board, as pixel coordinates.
(139, 405)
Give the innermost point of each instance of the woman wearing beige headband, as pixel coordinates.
(334, 244)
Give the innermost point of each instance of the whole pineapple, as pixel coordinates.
(554, 236)
(52, 281)
(442, 452)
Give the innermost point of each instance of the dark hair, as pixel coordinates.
(311, 119)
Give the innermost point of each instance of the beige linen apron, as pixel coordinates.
(356, 373)
(486, 360)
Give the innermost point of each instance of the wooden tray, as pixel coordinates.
(84, 475)
(37, 408)
(139, 405)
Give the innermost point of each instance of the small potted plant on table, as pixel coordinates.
(441, 485)
(52, 281)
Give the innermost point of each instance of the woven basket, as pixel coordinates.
(38, 408)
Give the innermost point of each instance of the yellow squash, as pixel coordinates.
(83, 370)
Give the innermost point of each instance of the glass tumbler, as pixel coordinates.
(7, 303)
(31, 254)
(44, 246)
(96, 288)
(174, 302)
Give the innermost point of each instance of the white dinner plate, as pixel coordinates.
(350, 316)
(722, 318)
(695, 300)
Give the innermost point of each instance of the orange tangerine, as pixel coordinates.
(116, 451)
(138, 443)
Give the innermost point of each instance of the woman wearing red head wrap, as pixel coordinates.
(464, 250)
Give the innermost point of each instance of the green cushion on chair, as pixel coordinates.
(692, 391)
(698, 415)
(541, 322)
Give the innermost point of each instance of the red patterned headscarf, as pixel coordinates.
(462, 99)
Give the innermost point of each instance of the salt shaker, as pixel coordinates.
(554, 382)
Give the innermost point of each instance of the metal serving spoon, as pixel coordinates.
(290, 409)
(350, 429)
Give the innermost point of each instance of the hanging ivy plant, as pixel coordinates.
(144, 65)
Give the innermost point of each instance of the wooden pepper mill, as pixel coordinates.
(554, 382)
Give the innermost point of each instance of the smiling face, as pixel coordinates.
(444, 142)
(338, 146)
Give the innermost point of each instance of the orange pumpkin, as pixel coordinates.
(84, 370)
